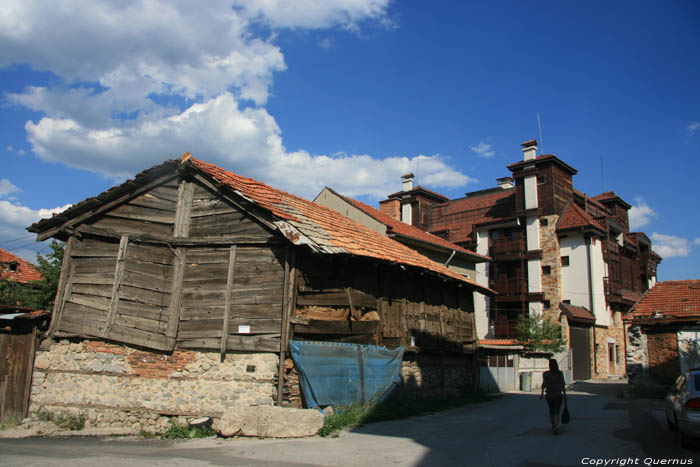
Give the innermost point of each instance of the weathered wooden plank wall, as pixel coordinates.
(17, 347)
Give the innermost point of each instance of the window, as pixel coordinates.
(564, 260)
(546, 270)
(544, 222)
(541, 180)
(546, 304)
(568, 302)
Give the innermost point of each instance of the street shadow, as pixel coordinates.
(483, 433)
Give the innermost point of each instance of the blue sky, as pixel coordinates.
(351, 94)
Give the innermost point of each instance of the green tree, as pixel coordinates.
(39, 294)
(538, 334)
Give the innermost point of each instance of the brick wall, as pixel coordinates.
(664, 364)
(551, 256)
(603, 337)
(391, 207)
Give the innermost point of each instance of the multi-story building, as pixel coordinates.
(555, 250)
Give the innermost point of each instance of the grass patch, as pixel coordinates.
(356, 415)
(13, 423)
(646, 390)
(184, 431)
(64, 421)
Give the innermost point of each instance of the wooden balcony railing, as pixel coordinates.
(509, 285)
(611, 286)
(505, 329)
(507, 245)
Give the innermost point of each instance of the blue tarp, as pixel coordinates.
(343, 374)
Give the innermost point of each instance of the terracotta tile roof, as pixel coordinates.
(418, 189)
(576, 313)
(460, 215)
(610, 195)
(407, 230)
(668, 299)
(574, 217)
(322, 229)
(26, 272)
(499, 342)
(599, 206)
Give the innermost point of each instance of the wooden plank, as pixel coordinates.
(150, 297)
(146, 281)
(118, 273)
(176, 300)
(337, 299)
(98, 266)
(143, 324)
(143, 310)
(138, 213)
(150, 200)
(205, 310)
(258, 343)
(98, 303)
(63, 284)
(101, 290)
(336, 327)
(227, 300)
(184, 209)
(150, 253)
(138, 337)
(92, 279)
(104, 207)
(131, 226)
(283, 327)
(200, 328)
(171, 241)
(106, 250)
(84, 312)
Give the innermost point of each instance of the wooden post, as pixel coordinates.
(116, 285)
(227, 306)
(183, 211)
(63, 281)
(288, 303)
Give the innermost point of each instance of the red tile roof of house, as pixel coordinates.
(576, 313)
(26, 272)
(668, 299)
(610, 195)
(460, 215)
(407, 230)
(324, 229)
(574, 217)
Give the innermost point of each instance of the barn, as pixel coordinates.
(182, 288)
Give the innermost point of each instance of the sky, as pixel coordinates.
(352, 94)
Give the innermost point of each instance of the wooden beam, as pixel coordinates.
(103, 207)
(63, 282)
(116, 285)
(353, 312)
(188, 241)
(227, 302)
(283, 330)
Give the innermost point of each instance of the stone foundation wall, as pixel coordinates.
(637, 354)
(551, 256)
(603, 334)
(437, 375)
(119, 385)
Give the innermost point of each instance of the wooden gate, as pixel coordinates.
(581, 352)
(17, 347)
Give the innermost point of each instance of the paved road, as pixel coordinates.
(510, 431)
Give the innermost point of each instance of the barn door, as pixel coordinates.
(16, 361)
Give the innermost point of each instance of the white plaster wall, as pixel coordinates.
(535, 308)
(530, 192)
(574, 277)
(406, 213)
(482, 302)
(534, 276)
(532, 231)
(600, 310)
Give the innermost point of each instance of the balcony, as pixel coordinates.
(611, 286)
(507, 245)
(505, 329)
(509, 285)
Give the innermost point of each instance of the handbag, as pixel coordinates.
(565, 414)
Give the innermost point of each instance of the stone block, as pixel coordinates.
(270, 422)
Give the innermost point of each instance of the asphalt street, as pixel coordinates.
(511, 430)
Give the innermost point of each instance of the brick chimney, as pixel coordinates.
(529, 150)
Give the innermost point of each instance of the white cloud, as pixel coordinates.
(693, 127)
(326, 43)
(14, 219)
(640, 214)
(10, 148)
(6, 187)
(669, 246)
(484, 150)
(697, 241)
(158, 78)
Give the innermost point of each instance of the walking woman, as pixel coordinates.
(555, 387)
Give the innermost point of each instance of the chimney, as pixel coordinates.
(407, 182)
(505, 183)
(529, 150)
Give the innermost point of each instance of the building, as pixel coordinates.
(664, 332)
(436, 248)
(181, 289)
(17, 269)
(555, 251)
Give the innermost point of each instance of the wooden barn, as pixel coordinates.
(181, 288)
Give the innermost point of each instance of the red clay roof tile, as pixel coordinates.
(26, 272)
(668, 299)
